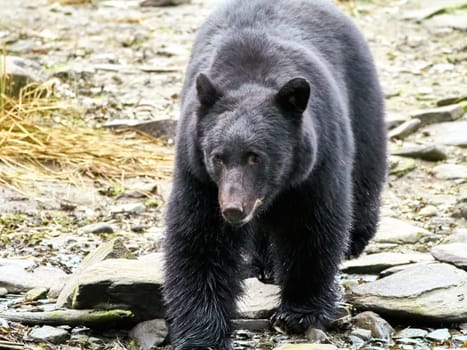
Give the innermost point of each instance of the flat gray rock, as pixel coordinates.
(127, 284)
(259, 299)
(430, 153)
(405, 129)
(450, 171)
(397, 231)
(454, 253)
(411, 333)
(50, 334)
(440, 335)
(112, 249)
(21, 275)
(375, 263)
(452, 134)
(439, 114)
(429, 292)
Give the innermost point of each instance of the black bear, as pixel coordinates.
(281, 141)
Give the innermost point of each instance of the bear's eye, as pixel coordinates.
(253, 158)
(218, 159)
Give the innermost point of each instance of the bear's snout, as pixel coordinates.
(233, 213)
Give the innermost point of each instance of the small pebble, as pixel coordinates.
(3, 292)
(364, 334)
(316, 335)
(428, 211)
(439, 335)
(357, 342)
(100, 227)
(50, 334)
(412, 333)
(36, 294)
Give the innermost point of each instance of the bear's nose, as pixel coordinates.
(233, 213)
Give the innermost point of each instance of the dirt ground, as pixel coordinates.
(118, 60)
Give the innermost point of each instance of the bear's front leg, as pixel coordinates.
(309, 249)
(202, 268)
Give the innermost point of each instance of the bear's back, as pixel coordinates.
(307, 26)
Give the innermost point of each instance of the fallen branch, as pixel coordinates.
(88, 318)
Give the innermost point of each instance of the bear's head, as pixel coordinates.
(254, 143)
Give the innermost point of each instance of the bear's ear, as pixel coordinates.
(208, 94)
(294, 95)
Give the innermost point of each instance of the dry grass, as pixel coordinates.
(45, 138)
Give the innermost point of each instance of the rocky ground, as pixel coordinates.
(120, 61)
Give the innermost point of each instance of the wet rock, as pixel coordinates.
(439, 335)
(259, 299)
(452, 134)
(50, 334)
(146, 3)
(120, 283)
(252, 325)
(113, 249)
(428, 211)
(450, 171)
(399, 166)
(21, 275)
(20, 72)
(378, 327)
(411, 333)
(430, 153)
(306, 347)
(316, 335)
(375, 263)
(428, 292)
(439, 114)
(36, 294)
(150, 333)
(405, 129)
(454, 253)
(163, 128)
(396, 231)
(100, 227)
(3, 292)
(364, 334)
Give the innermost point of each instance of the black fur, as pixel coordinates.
(281, 135)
